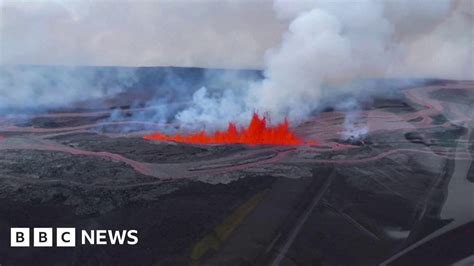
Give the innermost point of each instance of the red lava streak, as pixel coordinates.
(257, 133)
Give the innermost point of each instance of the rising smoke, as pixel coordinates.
(327, 45)
(331, 43)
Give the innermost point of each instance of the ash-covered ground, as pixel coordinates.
(399, 194)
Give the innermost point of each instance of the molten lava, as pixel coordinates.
(257, 133)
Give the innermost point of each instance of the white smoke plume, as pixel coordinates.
(355, 125)
(330, 43)
(315, 49)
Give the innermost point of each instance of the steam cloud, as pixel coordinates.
(330, 43)
(326, 45)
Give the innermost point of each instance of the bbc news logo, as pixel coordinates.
(66, 237)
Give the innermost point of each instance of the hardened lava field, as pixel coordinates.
(196, 204)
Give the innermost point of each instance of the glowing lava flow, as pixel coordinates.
(257, 133)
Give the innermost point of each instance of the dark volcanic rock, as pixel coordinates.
(169, 222)
(148, 151)
(31, 164)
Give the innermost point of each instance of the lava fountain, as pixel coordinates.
(256, 133)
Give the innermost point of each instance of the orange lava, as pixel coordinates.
(257, 133)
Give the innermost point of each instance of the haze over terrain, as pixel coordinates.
(239, 132)
(310, 51)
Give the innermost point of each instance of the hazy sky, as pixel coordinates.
(212, 33)
(310, 50)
